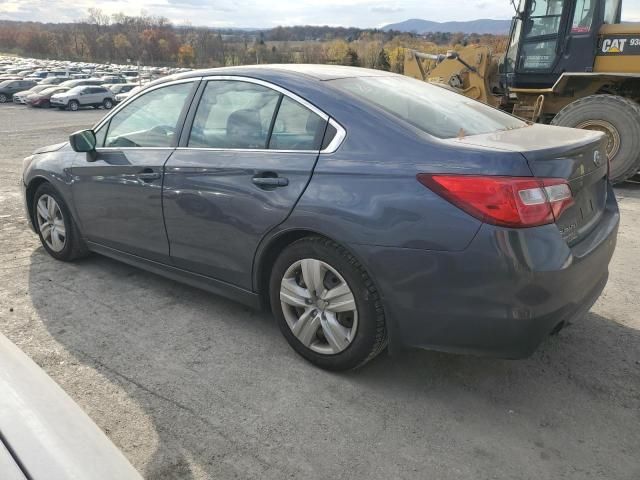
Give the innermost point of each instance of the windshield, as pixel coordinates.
(434, 110)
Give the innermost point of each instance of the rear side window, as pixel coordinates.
(432, 109)
(296, 128)
(150, 120)
(234, 115)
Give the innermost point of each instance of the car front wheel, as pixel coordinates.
(326, 305)
(74, 105)
(3, 98)
(56, 228)
(107, 104)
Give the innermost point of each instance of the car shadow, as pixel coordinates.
(227, 397)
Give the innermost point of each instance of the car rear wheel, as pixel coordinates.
(326, 305)
(57, 230)
(3, 98)
(107, 104)
(74, 106)
(619, 119)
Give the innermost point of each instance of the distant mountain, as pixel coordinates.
(496, 27)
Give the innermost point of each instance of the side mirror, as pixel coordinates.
(83, 141)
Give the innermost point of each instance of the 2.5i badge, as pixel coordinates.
(620, 45)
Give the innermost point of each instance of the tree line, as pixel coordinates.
(154, 40)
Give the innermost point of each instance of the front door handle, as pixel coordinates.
(270, 181)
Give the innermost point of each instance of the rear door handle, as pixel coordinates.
(148, 176)
(270, 181)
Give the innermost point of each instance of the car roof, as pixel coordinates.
(318, 72)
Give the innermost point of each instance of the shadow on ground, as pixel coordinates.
(228, 398)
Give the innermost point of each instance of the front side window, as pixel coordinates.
(150, 120)
(434, 110)
(612, 11)
(545, 16)
(234, 114)
(583, 16)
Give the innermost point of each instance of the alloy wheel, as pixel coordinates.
(319, 306)
(51, 223)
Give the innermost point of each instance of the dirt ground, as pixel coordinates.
(193, 386)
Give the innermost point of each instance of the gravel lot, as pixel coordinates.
(193, 386)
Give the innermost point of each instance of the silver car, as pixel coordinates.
(84, 96)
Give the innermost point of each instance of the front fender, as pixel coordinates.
(53, 167)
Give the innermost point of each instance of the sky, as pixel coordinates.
(270, 13)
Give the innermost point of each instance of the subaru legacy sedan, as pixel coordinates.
(366, 209)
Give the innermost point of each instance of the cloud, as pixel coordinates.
(260, 13)
(383, 9)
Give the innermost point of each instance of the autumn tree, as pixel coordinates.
(186, 55)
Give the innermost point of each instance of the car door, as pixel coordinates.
(241, 167)
(83, 96)
(117, 191)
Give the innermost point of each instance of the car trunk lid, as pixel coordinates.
(577, 156)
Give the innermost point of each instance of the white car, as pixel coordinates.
(120, 97)
(45, 435)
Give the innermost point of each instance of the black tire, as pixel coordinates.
(73, 105)
(107, 104)
(619, 112)
(3, 98)
(75, 246)
(371, 335)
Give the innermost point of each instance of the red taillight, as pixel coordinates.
(505, 201)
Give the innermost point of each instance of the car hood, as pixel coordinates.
(50, 148)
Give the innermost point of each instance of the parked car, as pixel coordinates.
(9, 88)
(42, 98)
(81, 81)
(113, 79)
(45, 434)
(53, 80)
(364, 207)
(122, 96)
(20, 97)
(119, 88)
(83, 96)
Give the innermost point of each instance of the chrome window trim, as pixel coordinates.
(245, 150)
(339, 137)
(100, 149)
(144, 91)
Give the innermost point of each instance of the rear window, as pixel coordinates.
(434, 110)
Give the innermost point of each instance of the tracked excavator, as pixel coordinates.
(568, 62)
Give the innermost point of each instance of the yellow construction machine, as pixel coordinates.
(568, 62)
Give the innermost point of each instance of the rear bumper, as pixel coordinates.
(501, 296)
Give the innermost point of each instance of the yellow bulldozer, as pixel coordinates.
(568, 62)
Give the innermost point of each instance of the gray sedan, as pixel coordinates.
(366, 209)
